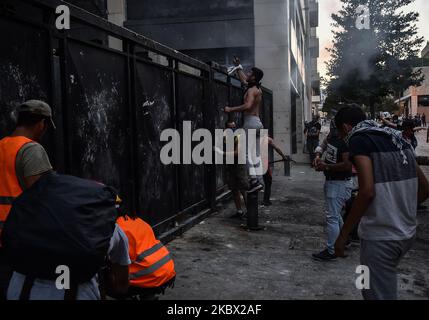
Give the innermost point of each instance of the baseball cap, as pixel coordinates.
(37, 107)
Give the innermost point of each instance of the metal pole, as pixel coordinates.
(252, 210)
(252, 213)
(287, 168)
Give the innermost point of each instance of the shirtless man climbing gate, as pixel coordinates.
(251, 109)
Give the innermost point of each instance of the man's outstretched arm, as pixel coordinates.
(242, 77)
(240, 73)
(276, 148)
(389, 123)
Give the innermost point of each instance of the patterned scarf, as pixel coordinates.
(370, 126)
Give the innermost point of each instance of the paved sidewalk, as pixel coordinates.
(218, 260)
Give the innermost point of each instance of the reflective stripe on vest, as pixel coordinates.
(6, 200)
(151, 269)
(148, 252)
(152, 265)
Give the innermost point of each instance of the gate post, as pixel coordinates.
(209, 122)
(287, 167)
(253, 212)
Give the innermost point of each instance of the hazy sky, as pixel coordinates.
(327, 7)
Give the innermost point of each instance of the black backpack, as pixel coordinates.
(60, 220)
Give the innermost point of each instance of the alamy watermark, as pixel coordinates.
(63, 20)
(242, 146)
(363, 20)
(363, 280)
(63, 280)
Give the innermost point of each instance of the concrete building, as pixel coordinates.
(279, 36)
(314, 55)
(287, 48)
(208, 30)
(416, 99)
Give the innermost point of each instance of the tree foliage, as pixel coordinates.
(369, 65)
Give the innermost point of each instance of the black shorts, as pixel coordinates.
(237, 177)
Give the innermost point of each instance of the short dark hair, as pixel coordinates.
(258, 73)
(351, 114)
(28, 119)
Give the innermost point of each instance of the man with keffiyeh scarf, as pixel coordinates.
(391, 185)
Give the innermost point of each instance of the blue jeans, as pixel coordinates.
(312, 144)
(336, 195)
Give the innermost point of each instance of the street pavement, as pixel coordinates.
(217, 259)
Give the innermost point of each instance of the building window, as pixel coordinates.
(423, 101)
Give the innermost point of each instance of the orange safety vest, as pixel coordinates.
(152, 265)
(9, 186)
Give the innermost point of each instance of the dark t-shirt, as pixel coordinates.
(392, 213)
(367, 144)
(334, 154)
(31, 160)
(312, 129)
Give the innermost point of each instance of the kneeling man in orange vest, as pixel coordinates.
(152, 268)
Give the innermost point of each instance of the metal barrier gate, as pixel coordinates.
(110, 106)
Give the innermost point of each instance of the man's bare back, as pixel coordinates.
(252, 103)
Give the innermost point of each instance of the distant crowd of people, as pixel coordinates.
(372, 190)
(408, 125)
